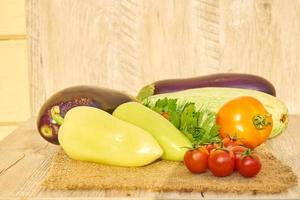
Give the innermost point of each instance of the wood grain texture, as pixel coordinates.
(26, 155)
(126, 44)
(263, 37)
(5, 130)
(117, 44)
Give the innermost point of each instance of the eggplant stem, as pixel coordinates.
(146, 92)
(55, 114)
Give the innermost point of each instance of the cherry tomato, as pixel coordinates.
(210, 147)
(221, 162)
(196, 160)
(229, 143)
(237, 151)
(166, 115)
(246, 118)
(248, 164)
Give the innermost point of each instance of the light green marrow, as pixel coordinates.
(212, 98)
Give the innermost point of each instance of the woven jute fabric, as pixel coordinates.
(68, 174)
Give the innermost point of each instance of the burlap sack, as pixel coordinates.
(162, 175)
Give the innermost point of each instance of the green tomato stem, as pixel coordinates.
(247, 153)
(260, 121)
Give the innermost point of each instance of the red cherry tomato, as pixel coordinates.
(166, 115)
(210, 147)
(248, 164)
(237, 151)
(221, 162)
(229, 143)
(196, 160)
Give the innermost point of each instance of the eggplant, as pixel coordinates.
(231, 80)
(53, 111)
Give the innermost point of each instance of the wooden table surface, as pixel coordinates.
(25, 159)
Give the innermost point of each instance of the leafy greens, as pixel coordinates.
(198, 125)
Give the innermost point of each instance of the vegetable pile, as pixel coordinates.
(211, 123)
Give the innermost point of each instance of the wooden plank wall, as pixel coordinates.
(14, 84)
(126, 44)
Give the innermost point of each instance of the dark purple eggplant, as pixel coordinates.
(233, 80)
(51, 114)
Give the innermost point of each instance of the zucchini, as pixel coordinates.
(213, 98)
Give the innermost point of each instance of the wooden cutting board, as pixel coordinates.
(25, 159)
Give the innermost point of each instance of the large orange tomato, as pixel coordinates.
(247, 119)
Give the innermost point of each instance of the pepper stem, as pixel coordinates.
(260, 121)
(55, 114)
